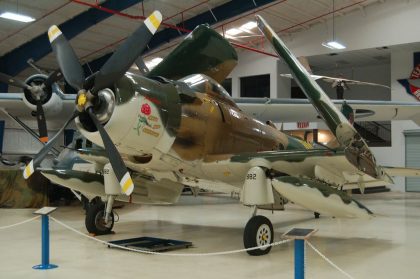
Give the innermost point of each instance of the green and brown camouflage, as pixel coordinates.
(357, 150)
(325, 189)
(203, 51)
(345, 204)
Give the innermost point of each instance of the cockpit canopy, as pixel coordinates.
(204, 84)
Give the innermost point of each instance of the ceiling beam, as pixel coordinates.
(15, 61)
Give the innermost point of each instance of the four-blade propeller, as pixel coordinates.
(87, 97)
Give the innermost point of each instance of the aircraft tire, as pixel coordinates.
(258, 232)
(94, 221)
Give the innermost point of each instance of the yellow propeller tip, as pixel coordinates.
(127, 185)
(29, 170)
(53, 33)
(153, 21)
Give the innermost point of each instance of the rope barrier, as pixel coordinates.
(328, 260)
(20, 223)
(171, 254)
(186, 254)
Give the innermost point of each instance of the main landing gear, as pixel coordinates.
(99, 217)
(258, 232)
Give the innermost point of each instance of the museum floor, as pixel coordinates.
(387, 246)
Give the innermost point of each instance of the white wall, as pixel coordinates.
(252, 64)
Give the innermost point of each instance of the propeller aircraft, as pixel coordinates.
(176, 125)
(38, 93)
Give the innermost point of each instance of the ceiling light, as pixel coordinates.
(233, 31)
(157, 60)
(17, 17)
(249, 25)
(226, 35)
(152, 63)
(334, 45)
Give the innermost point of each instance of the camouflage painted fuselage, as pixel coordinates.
(178, 126)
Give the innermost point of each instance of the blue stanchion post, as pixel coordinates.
(299, 236)
(299, 259)
(45, 244)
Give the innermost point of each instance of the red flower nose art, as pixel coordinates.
(145, 109)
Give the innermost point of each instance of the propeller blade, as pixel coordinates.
(31, 167)
(66, 57)
(42, 122)
(127, 52)
(117, 163)
(141, 65)
(356, 150)
(12, 81)
(53, 77)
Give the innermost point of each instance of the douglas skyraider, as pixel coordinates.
(176, 126)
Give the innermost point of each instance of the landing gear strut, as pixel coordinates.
(100, 218)
(258, 232)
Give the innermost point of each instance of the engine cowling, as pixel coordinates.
(51, 102)
(141, 115)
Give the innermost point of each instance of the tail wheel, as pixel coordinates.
(95, 222)
(258, 232)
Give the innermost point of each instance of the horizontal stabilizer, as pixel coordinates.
(319, 197)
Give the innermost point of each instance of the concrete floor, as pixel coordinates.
(388, 246)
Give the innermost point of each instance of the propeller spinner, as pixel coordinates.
(88, 92)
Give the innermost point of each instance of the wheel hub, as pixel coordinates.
(100, 221)
(263, 235)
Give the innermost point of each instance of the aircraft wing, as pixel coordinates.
(92, 185)
(315, 178)
(332, 79)
(15, 104)
(294, 110)
(203, 51)
(323, 164)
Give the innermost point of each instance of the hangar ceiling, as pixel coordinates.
(105, 33)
